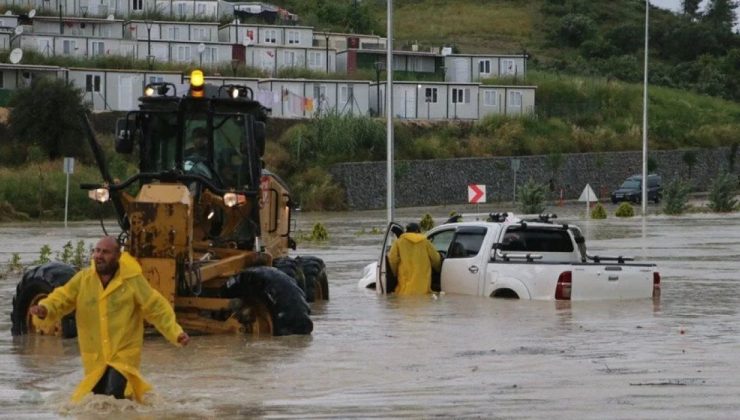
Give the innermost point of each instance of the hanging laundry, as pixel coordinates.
(308, 104)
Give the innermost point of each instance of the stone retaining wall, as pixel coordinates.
(444, 181)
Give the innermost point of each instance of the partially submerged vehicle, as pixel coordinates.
(210, 228)
(520, 258)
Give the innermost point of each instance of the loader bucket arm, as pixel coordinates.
(104, 172)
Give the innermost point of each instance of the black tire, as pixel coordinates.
(38, 282)
(275, 290)
(290, 267)
(317, 283)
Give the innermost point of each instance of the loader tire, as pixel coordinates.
(269, 289)
(317, 284)
(290, 267)
(36, 284)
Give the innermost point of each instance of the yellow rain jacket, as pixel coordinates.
(412, 259)
(110, 322)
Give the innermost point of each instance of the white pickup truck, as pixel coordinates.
(521, 258)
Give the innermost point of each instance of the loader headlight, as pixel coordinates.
(100, 195)
(233, 199)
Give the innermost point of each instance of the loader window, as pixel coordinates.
(162, 142)
(227, 156)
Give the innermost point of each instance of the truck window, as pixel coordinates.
(536, 240)
(466, 242)
(441, 240)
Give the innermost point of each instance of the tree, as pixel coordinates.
(690, 7)
(47, 115)
(721, 14)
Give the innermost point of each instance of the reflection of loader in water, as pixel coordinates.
(216, 248)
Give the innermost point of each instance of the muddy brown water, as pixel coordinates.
(455, 356)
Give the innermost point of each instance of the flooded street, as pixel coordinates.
(455, 356)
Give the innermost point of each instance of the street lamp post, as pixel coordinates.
(378, 69)
(326, 35)
(234, 66)
(645, 114)
(148, 24)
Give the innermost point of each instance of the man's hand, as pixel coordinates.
(183, 339)
(39, 311)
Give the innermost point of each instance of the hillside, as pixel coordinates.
(591, 38)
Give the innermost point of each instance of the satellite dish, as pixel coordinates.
(201, 47)
(111, 17)
(16, 55)
(8, 13)
(32, 13)
(18, 30)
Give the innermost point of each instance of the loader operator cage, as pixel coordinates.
(192, 136)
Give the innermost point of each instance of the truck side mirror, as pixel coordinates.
(124, 137)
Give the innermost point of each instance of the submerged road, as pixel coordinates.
(456, 356)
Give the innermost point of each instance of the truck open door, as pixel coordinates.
(386, 282)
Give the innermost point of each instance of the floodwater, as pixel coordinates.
(453, 356)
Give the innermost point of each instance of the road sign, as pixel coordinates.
(588, 195)
(476, 193)
(515, 163)
(69, 165)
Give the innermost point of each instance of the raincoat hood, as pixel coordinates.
(413, 237)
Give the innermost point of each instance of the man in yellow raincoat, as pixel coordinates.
(112, 299)
(412, 259)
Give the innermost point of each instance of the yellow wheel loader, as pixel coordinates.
(208, 224)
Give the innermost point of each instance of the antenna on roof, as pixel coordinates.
(32, 13)
(18, 30)
(110, 17)
(16, 55)
(8, 13)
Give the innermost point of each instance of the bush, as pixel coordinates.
(36, 120)
(625, 210)
(598, 212)
(532, 197)
(722, 193)
(675, 197)
(427, 223)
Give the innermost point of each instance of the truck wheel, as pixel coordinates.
(317, 284)
(35, 285)
(290, 267)
(271, 302)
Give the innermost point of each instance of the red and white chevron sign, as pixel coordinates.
(476, 193)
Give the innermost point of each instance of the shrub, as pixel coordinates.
(625, 210)
(427, 222)
(319, 233)
(722, 193)
(532, 197)
(35, 118)
(598, 212)
(675, 197)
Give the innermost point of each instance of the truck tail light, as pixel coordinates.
(562, 290)
(656, 284)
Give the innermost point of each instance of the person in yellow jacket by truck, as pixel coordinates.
(412, 259)
(112, 300)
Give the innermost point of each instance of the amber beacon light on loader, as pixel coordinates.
(208, 224)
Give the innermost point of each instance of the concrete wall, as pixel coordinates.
(436, 182)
